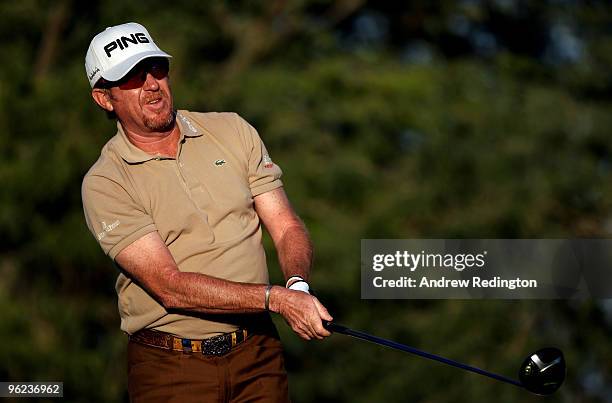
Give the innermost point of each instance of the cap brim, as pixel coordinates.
(119, 71)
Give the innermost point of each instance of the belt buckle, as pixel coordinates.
(217, 346)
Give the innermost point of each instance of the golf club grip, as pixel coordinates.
(335, 328)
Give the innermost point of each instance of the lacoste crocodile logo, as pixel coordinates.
(220, 162)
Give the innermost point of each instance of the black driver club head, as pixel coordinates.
(543, 372)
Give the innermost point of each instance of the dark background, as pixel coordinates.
(390, 119)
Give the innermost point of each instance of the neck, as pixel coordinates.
(156, 143)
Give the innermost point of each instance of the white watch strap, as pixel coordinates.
(300, 285)
(290, 279)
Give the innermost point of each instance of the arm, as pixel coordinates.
(291, 240)
(303, 312)
(149, 262)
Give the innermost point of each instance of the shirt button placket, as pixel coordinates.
(194, 188)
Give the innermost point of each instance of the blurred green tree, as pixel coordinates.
(390, 119)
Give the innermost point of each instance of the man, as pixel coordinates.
(176, 199)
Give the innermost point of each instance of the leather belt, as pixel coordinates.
(216, 345)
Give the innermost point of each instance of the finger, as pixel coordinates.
(310, 317)
(318, 327)
(311, 326)
(321, 332)
(300, 331)
(304, 335)
(306, 327)
(323, 313)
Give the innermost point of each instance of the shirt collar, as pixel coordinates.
(134, 155)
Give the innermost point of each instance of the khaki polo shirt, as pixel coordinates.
(200, 203)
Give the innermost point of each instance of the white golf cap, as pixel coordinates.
(113, 52)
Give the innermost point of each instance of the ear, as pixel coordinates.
(102, 98)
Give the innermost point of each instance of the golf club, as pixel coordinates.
(541, 373)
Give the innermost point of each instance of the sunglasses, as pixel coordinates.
(135, 78)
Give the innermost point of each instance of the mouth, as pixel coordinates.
(154, 103)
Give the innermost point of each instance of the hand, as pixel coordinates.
(303, 312)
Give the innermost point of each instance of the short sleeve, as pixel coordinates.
(264, 174)
(114, 218)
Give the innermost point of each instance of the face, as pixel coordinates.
(142, 100)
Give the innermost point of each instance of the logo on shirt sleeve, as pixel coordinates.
(267, 161)
(107, 228)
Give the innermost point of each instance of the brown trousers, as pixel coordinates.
(253, 371)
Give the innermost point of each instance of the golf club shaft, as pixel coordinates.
(336, 328)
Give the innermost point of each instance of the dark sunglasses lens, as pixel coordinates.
(134, 79)
(159, 69)
(138, 75)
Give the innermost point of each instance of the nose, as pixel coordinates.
(150, 83)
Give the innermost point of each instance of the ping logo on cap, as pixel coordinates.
(124, 41)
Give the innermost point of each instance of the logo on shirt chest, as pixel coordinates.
(220, 162)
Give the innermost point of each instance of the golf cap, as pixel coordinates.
(113, 52)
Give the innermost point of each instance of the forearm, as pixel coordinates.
(205, 294)
(295, 252)
(149, 262)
